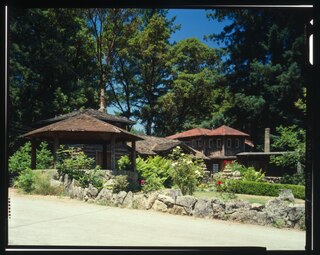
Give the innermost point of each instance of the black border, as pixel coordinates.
(313, 127)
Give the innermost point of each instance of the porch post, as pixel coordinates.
(104, 156)
(113, 153)
(133, 155)
(55, 149)
(33, 154)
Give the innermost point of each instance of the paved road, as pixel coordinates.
(37, 220)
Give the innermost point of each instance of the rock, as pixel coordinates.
(127, 202)
(151, 199)
(118, 198)
(236, 174)
(173, 193)
(104, 195)
(218, 209)
(276, 207)
(238, 205)
(203, 208)
(55, 183)
(286, 195)
(187, 202)
(139, 201)
(169, 201)
(257, 207)
(159, 206)
(178, 210)
(109, 183)
(92, 191)
(295, 212)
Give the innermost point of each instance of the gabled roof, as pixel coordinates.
(91, 112)
(152, 145)
(81, 127)
(226, 131)
(191, 133)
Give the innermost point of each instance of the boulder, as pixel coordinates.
(92, 191)
(173, 193)
(203, 208)
(178, 210)
(286, 195)
(139, 201)
(127, 202)
(151, 199)
(187, 202)
(234, 206)
(218, 209)
(257, 207)
(159, 206)
(169, 201)
(118, 198)
(104, 195)
(295, 212)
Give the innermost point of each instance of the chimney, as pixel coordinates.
(267, 140)
(102, 102)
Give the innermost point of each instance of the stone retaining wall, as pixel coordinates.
(280, 212)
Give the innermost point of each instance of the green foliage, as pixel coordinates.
(25, 181)
(77, 165)
(124, 163)
(155, 171)
(120, 183)
(187, 172)
(36, 182)
(291, 139)
(21, 159)
(252, 175)
(296, 178)
(263, 188)
(235, 166)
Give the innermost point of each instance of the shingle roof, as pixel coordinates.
(225, 130)
(91, 112)
(82, 125)
(191, 133)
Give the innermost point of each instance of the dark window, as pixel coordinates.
(219, 143)
(237, 143)
(229, 143)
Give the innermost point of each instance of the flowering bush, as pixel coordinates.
(187, 172)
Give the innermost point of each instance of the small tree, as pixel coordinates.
(187, 172)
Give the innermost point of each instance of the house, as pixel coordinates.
(220, 145)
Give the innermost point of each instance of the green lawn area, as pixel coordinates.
(228, 197)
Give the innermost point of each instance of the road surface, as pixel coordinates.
(39, 220)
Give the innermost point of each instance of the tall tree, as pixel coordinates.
(264, 64)
(50, 64)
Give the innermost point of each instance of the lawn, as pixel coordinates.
(228, 196)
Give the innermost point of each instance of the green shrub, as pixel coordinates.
(120, 183)
(25, 181)
(21, 159)
(235, 166)
(124, 163)
(263, 188)
(155, 171)
(252, 175)
(296, 178)
(186, 172)
(77, 165)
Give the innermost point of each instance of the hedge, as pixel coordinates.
(263, 188)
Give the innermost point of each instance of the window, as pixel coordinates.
(218, 143)
(237, 143)
(215, 168)
(193, 143)
(210, 143)
(229, 143)
(199, 143)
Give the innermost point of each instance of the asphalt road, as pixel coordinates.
(37, 220)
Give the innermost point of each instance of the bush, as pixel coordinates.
(296, 179)
(124, 163)
(25, 181)
(252, 175)
(263, 188)
(78, 166)
(35, 182)
(21, 159)
(120, 183)
(186, 172)
(155, 171)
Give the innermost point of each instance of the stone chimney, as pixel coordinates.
(267, 140)
(102, 102)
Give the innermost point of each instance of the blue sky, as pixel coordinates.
(194, 23)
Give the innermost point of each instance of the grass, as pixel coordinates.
(229, 197)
